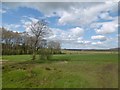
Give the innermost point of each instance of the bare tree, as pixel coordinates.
(54, 47)
(39, 31)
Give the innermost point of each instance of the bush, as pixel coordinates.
(45, 54)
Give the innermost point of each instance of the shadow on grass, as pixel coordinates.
(25, 64)
(38, 61)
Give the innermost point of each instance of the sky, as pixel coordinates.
(76, 25)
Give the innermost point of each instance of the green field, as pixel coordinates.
(85, 70)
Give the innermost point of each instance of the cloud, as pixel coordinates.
(84, 42)
(33, 19)
(77, 14)
(2, 11)
(97, 43)
(27, 21)
(12, 27)
(105, 16)
(76, 32)
(99, 37)
(67, 36)
(107, 27)
(82, 16)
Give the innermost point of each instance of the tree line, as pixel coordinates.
(32, 42)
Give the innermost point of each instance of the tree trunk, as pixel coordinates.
(34, 55)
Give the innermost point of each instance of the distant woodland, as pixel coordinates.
(15, 43)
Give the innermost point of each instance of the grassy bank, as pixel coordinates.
(62, 71)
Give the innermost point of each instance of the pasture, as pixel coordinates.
(82, 70)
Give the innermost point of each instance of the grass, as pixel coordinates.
(65, 71)
(16, 58)
(104, 57)
(98, 56)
